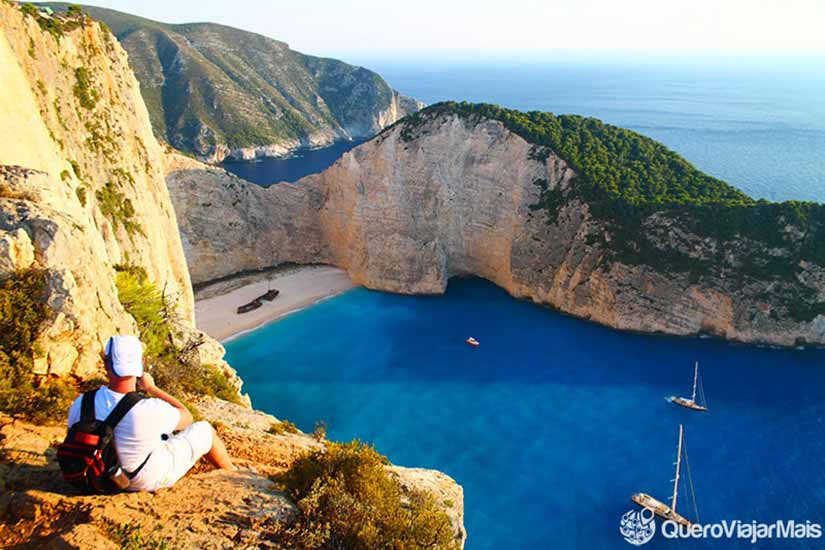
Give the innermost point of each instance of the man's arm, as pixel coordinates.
(147, 384)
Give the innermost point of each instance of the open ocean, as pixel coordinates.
(553, 423)
(758, 124)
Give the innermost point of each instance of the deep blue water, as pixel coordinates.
(553, 422)
(268, 171)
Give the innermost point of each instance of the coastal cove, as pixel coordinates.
(268, 171)
(552, 423)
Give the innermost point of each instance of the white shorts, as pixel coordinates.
(175, 457)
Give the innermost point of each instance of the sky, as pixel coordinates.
(336, 27)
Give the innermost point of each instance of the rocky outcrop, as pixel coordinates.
(206, 509)
(369, 125)
(413, 207)
(82, 189)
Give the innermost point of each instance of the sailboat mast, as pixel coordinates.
(678, 467)
(695, 379)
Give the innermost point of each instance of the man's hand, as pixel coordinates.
(146, 383)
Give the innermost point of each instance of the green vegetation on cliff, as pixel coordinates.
(154, 315)
(626, 177)
(117, 207)
(23, 314)
(207, 85)
(612, 162)
(56, 26)
(346, 498)
(652, 202)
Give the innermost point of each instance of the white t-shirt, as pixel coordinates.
(137, 435)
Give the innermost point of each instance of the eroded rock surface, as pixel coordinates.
(206, 509)
(82, 191)
(403, 213)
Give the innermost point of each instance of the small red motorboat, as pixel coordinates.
(473, 342)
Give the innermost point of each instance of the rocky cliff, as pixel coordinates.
(82, 187)
(83, 198)
(206, 509)
(446, 194)
(219, 92)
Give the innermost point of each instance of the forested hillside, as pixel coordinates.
(212, 89)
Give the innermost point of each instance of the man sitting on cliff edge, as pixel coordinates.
(157, 441)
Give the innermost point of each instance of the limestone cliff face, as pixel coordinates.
(405, 213)
(82, 190)
(229, 225)
(82, 187)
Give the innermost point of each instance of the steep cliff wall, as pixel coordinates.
(450, 196)
(82, 188)
(229, 225)
(82, 192)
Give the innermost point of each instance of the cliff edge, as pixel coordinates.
(90, 247)
(206, 509)
(82, 189)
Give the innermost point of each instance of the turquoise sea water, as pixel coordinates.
(553, 422)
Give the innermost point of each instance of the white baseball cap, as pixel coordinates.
(125, 354)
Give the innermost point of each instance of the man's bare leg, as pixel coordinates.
(217, 455)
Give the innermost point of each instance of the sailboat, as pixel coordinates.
(702, 404)
(661, 509)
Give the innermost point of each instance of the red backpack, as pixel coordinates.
(88, 457)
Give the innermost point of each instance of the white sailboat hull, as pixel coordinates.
(688, 403)
(659, 508)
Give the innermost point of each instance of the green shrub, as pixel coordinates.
(118, 208)
(131, 536)
(346, 499)
(81, 194)
(76, 169)
(152, 313)
(320, 430)
(23, 314)
(283, 427)
(29, 9)
(143, 301)
(65, 176)
(181, 379)
(84, 89)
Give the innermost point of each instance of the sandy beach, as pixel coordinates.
(215, 306)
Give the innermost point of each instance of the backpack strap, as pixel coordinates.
(123, 406)
(87, 406)
(132, 475)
